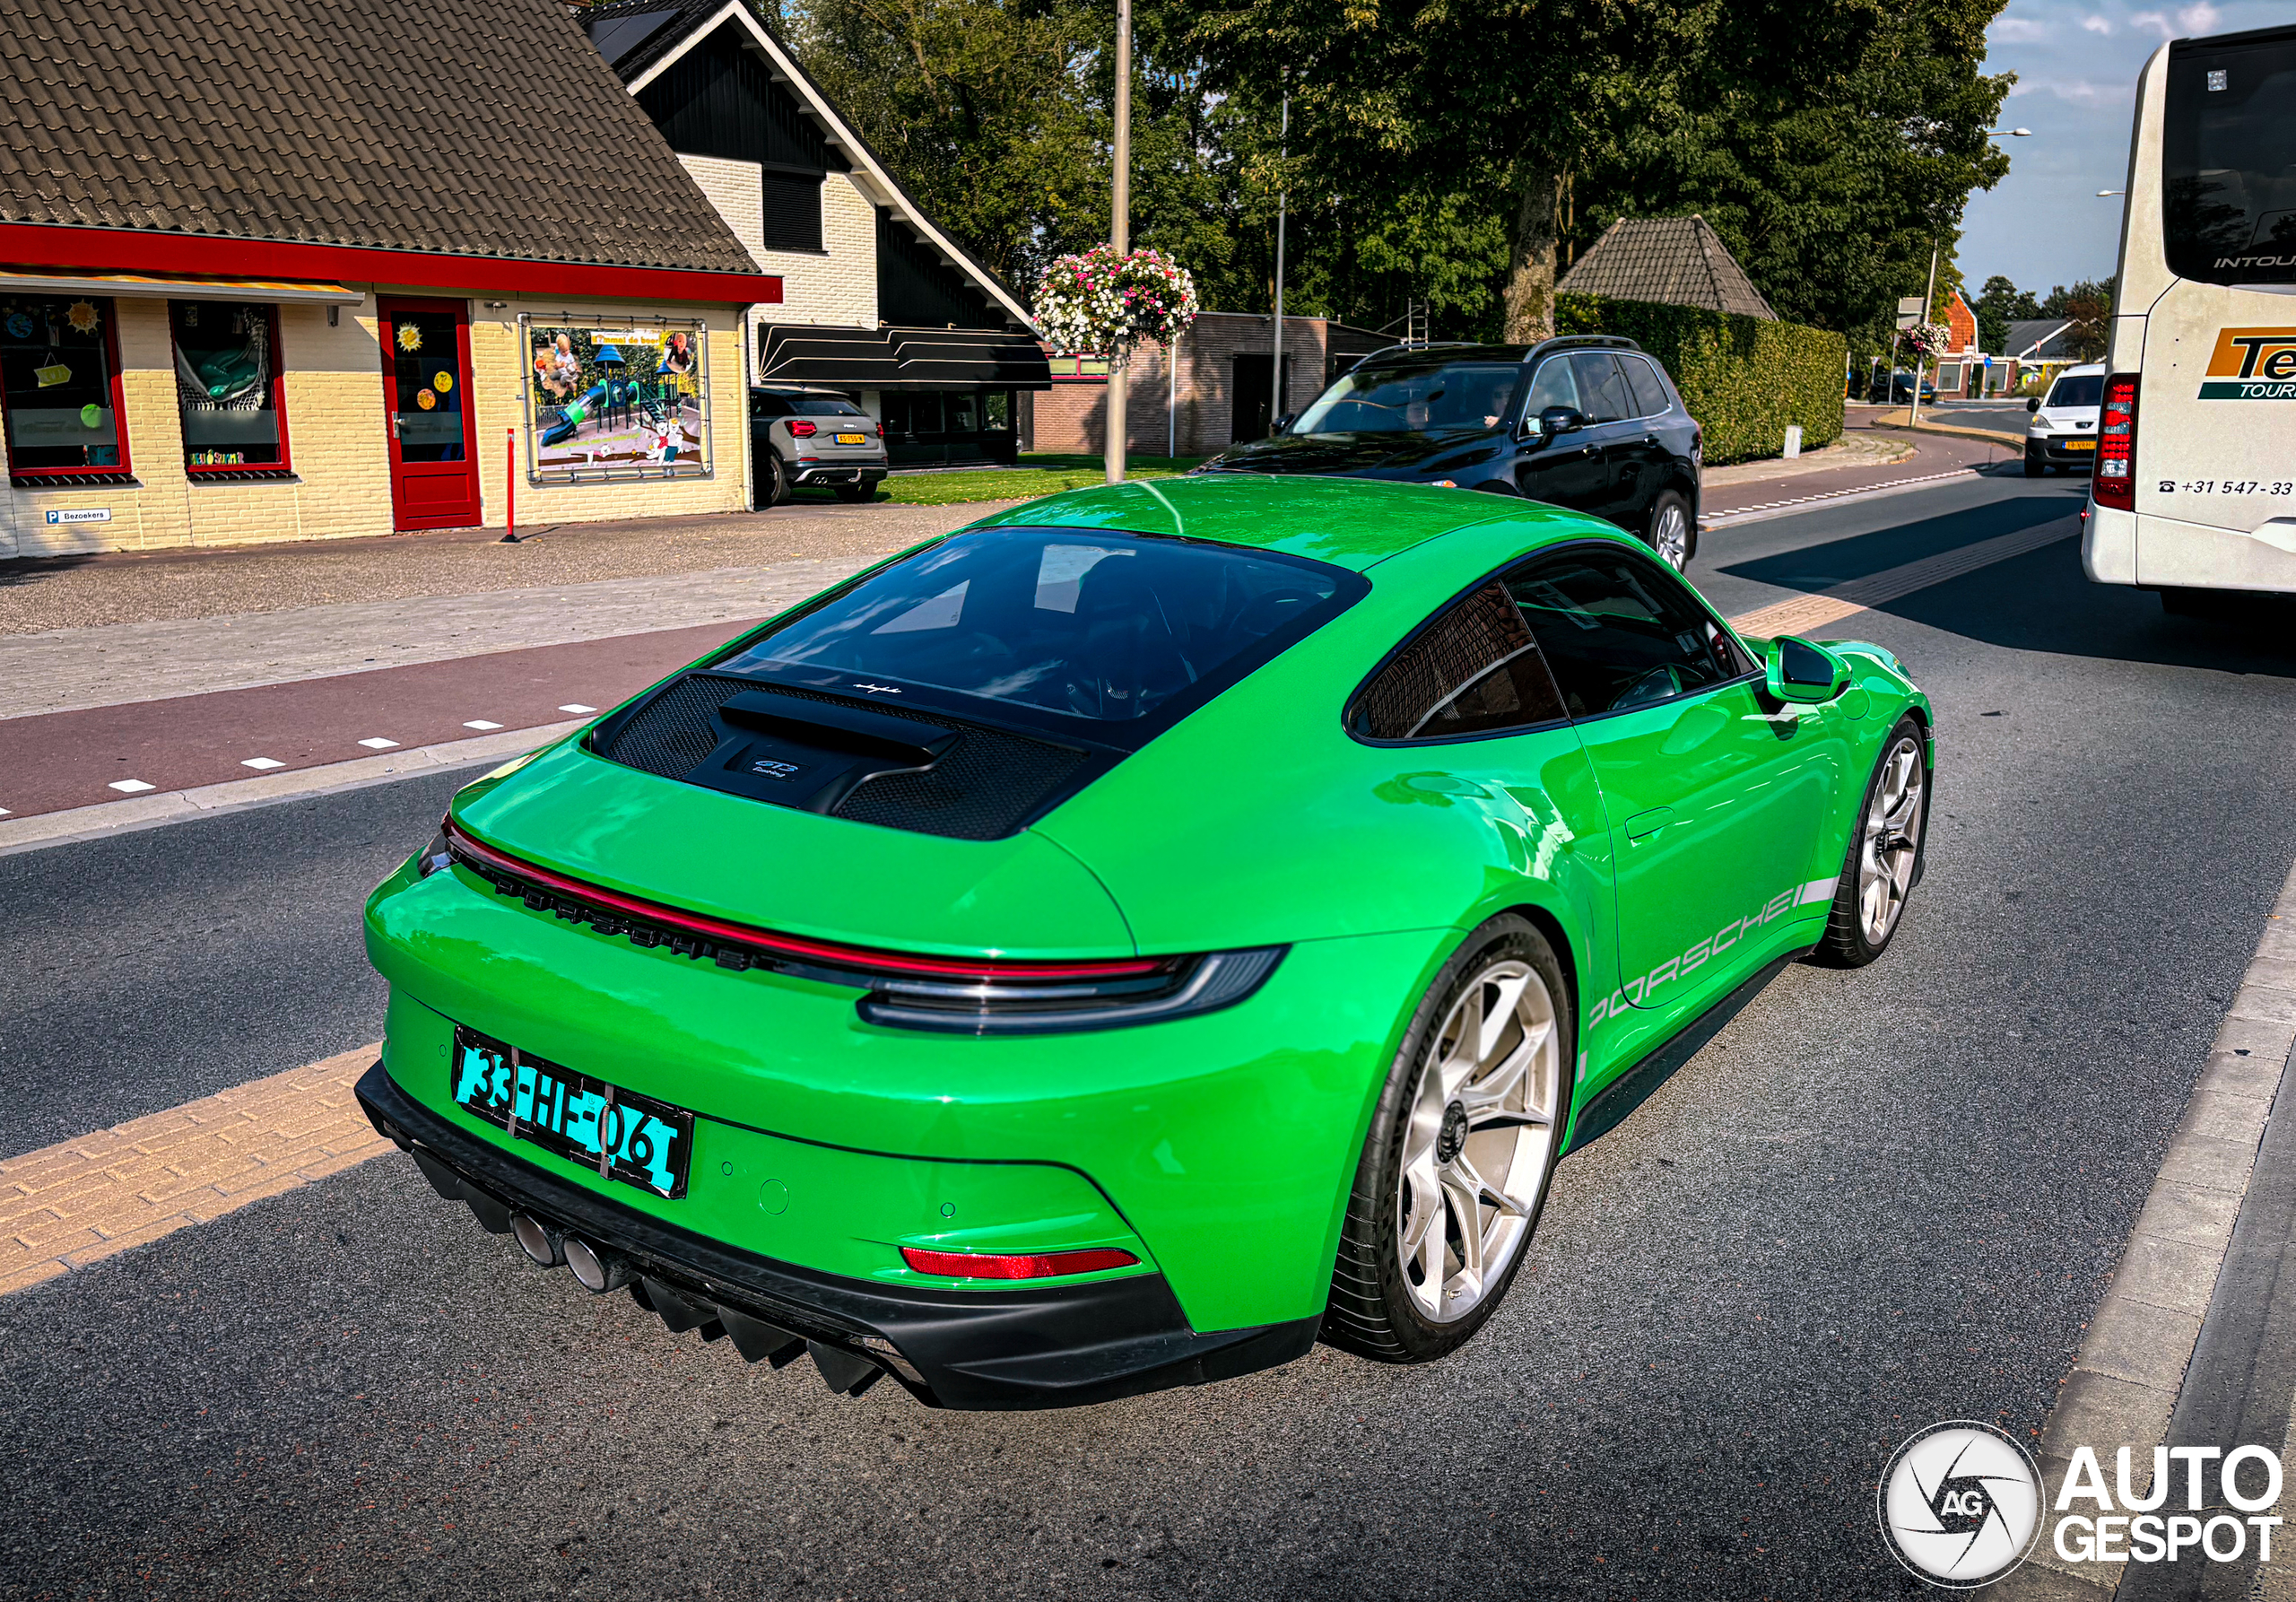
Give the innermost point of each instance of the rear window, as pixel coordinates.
(1108, 635)
(2085, 389)
(824, 405)
(2228, 192)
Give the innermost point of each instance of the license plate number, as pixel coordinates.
(853, 438)
(613, 1133)
(2080, 444)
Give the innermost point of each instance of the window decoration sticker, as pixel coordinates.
(53, 374)
(443, 382)
(19, 325)
(91, 416)
(410, 338)
(82, 316)
(425, 399)
(611, 399)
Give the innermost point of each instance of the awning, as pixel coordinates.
(189, 289)
(900, 358)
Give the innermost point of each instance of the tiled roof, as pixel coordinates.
(1675, 261)
(480, 127)
(2039, 339)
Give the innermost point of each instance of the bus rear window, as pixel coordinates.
(2229, 159)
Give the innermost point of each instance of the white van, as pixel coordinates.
(2061, 432)
(2194, 488)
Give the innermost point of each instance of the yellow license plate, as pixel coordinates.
(2079, 444)
(853, 438)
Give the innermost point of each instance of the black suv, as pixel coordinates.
(1587, 421)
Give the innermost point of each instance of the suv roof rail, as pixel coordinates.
(1581, 341)
(1432, 344)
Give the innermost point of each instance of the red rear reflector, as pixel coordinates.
(1038, 1265)
(802, 430)
(2114, 483)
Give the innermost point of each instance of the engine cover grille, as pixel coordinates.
(988, 786)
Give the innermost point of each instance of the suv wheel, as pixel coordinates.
(1673, 534)
(772, 482)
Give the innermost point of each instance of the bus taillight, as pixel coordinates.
(2115, 482)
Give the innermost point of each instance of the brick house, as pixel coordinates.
(359, 274)
(882, 303)
(1961, 369)
(1217, 389)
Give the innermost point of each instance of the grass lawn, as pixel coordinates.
(1037, 475)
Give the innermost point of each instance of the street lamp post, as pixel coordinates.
(1920, 361)
(1275, 384)
(1120, 228)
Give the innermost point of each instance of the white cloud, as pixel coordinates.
(2154, 22)
(2017, 30)
(2079, 90)
(2096, 24)
(2200, 17)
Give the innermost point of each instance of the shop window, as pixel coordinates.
(964, 414)
(893, 407)
(996, 410)
(59, 385)
(925, 412)
(228, 387)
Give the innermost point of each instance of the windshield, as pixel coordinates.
(2086, 389)
(1080, 624)
(2229, 161)
(1391, 398)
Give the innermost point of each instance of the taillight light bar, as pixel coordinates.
(2114, 484)
(1033, 1264)
(803, 429)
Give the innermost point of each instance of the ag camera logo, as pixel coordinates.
(1960, 1504)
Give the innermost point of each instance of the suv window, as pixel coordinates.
(1620, 631)
(1475, 669)
(1651, 396)
(762, 406)
(824, 405)
(1604, 391)
(1553, 386)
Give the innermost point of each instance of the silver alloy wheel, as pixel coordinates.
(1891, 836)
(1483, 1121)
(1670, 535)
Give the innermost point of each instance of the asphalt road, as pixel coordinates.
(1874, 1200)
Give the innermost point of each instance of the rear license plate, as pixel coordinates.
(2078, 444)
(615, 1133)
(853, 438)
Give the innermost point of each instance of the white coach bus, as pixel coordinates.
(2195, 487)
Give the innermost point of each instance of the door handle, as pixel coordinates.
(1643, 824)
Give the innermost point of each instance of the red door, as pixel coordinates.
(426, 381)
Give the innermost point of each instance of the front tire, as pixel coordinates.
(1883, 856)
(2034, 465)
(1462, 1145)
(1674, 533)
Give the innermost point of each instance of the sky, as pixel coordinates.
(2076, 62)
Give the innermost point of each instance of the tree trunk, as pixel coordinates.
(1530, 275)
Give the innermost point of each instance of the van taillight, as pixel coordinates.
(2115, 484)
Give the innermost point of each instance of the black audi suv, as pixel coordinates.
(1587, 422)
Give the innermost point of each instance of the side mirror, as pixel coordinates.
(1562, 419)
(1283, 423)
(1799, 671)
(2033, 405)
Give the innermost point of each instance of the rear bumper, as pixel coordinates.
(1006, 1349)
(840, 473)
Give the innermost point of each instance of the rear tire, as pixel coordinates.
(1672, 531)
(1462, 1144)
(1883, 862)
(772, 483)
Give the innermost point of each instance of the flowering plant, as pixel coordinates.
(1929, 339)
(1105, 303)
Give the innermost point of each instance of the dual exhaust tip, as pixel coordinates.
(593, 1268)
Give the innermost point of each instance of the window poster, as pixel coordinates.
(615, 400)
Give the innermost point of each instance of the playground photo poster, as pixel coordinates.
(615, 400)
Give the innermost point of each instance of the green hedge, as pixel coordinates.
(1745, 379)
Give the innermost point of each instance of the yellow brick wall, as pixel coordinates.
(338, 444)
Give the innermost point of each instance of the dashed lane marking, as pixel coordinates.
(80, 1201)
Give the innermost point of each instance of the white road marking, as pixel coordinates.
(377, 742)
(577, 707)
(480, 723)
(132, 786)
(261, 764)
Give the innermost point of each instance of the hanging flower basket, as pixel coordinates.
(1104, 304)
(1929, 339)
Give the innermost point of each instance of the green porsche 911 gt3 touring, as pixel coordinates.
(1132, 938)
